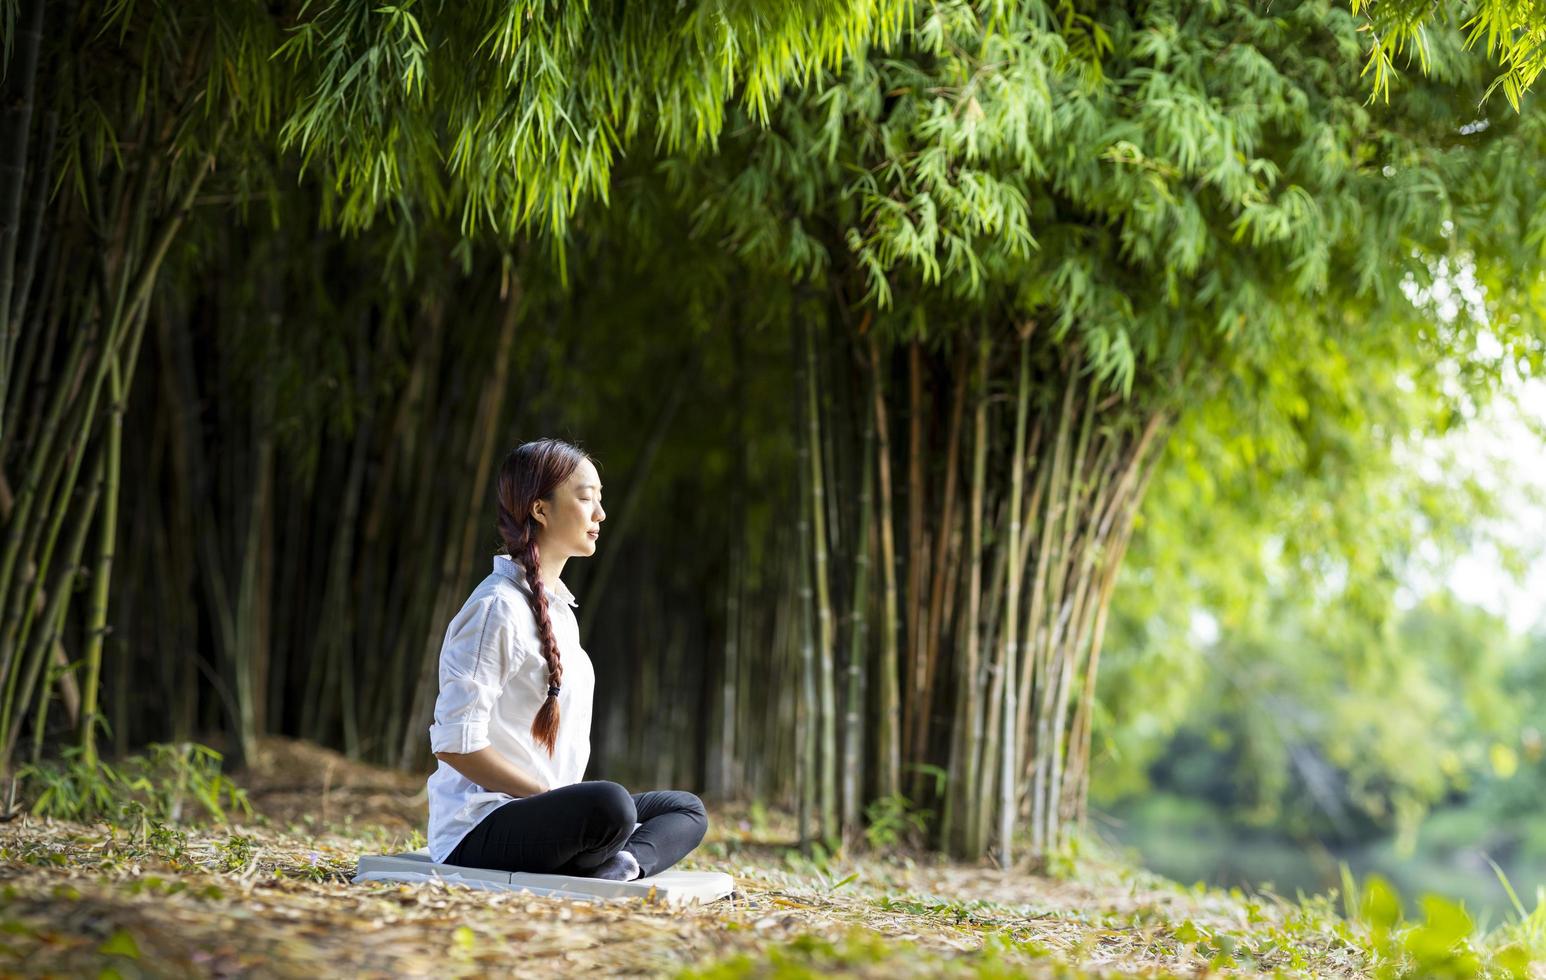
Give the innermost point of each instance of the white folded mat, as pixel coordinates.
(674, 887)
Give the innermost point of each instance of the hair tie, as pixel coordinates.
(552, 690)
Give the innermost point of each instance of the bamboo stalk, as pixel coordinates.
(96, 626)
(404, 449)
(1084, 561)
(888, 749)
(35, 362)
(972, 711)
(15, 130)
(854, 717)
(723, 775)
(1066, 653)
(941, 556)
(28, 597)
(1009, 756)
(1053, 591)
(735, 592)
(176, 588)
(36, 483)
(63, 473)
(827, 795)
(1124, 499)
(126, 324)
(335, 640)
(917, 560)
(58, 603)
(1032, 643)
(31, 234)
(806, 721)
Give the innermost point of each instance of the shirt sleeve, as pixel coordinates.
(476, 660)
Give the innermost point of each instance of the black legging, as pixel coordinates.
(574, 829)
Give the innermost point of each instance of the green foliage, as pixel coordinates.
(1214, 215)
(1515, 33)
(1261, 610)
(142, 791)
(509, 115)
(1317, 732)
(237, 853)
(1445, 943)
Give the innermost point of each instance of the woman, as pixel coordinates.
(512, 719)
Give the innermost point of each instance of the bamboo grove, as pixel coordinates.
(880, 318)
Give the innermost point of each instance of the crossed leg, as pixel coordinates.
(575, 829)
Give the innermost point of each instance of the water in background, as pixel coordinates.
(1186, 840)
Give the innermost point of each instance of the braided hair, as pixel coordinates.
(531, 472)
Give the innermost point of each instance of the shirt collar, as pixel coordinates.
(505, 566)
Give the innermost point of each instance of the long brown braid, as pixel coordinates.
(531, 472)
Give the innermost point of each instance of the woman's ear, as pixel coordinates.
(537, 508)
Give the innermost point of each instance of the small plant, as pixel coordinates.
(893, 819)
(139, 791)
(156, 839)
(187, 771)
(73, 789)
(237, 852)
(312, 867)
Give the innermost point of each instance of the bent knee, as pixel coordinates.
(614, 804)
(694, 808)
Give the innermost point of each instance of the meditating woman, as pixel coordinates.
(512, 719)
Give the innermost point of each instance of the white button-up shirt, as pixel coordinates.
(493, 680)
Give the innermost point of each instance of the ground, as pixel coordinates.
(271, 897)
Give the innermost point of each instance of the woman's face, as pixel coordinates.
(571, 518)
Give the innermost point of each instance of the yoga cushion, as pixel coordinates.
(674, 887)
